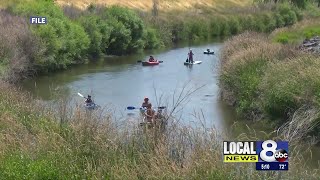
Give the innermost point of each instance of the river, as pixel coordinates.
(119, 82)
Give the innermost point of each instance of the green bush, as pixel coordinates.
(225, 29)
(215, 28)
(289, 16)
(296, 83)
(234, 25)
(120, 38)
(65, 41)
(99, 32)
(131, 30)
(196, 29)
(269, 22)
(151, 39)
(244, 81)
(91, 26)
(279, 20)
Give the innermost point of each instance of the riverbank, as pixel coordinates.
(37, 142)
(264, 79)
(75, 36)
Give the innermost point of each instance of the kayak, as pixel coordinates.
(142, 110)
(90, 106)
(194, 62)
(148, 63)
(206, 52)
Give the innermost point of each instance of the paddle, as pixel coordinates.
(141, 61)
(81, 95)
(132, 107)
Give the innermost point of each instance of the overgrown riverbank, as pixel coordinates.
(37, 142)
(268, 80)
(74, 36)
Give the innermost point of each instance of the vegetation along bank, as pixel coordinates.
(74, 36)
(275, 76)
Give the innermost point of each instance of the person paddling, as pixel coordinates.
(190, 56)
(88, 101)
(151, 59)
(145, 102)
(150, 114)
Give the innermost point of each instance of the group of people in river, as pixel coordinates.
(149, 113)
(190, 57)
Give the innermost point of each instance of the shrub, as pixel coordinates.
(132, 25)
(289, 16)
(234, 25)
(66, 42)
(244, 62)
(151, 39)
(296, 83)
(215, 28)
(19, 48)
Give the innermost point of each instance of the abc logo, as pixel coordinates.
(271, 154)
(281, 155)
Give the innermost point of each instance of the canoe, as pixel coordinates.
(206, 52)
(147, 63)
(194, 62)
(90, 106)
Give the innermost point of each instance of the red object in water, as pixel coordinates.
(148, 63)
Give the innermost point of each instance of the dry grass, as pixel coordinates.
(164, 5)
(18, 49)
(91, 146)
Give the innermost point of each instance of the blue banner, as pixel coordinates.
(272, 166)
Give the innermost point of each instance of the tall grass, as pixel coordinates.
(34, 144)
(268, 80)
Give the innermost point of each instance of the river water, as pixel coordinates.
(119, 82)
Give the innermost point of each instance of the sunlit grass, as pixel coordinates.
(164, 5)
(296, 34)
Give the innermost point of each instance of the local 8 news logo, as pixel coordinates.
(270, 153)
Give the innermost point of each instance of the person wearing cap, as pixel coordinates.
(88, 100)
(190, 56)
(151, 59)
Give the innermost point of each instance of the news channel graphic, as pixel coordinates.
(38, 20)
(273, 155)
(268, 155)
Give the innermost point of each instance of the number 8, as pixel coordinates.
(265, 149)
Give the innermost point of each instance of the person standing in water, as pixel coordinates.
(190, 54)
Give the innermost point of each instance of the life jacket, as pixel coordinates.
(88, 101)
(144, 104)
